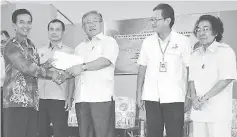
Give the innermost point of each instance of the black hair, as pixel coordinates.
(216, 24)
(19, 12)
(5, 33)
(166, 11)
(59, 21)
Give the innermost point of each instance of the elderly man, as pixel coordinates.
(95, 88)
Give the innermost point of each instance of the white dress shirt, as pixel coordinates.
(169, 86)
(96, 86)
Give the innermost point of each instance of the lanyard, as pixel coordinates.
(163, 52)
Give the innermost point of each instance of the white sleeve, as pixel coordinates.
(110, 50)
(227, 64)
(186, 50)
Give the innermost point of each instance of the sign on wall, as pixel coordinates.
(129, 35)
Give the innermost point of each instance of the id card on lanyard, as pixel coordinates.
(163, 63)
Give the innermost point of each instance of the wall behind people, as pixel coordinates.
(41, 13)
(73, 34)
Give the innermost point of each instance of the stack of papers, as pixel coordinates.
(64, 60)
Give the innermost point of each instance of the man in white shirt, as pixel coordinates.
(212, 71)
(162, 75)
(95, 88)
(55, 100)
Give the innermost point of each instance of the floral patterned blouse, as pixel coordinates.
(20, 88)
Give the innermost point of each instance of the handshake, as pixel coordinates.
(60, 76)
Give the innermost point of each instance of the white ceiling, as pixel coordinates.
(118, 10)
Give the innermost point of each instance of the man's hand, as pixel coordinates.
(58, 77)
(68, 103)
(75, 70)
(140, 103)
(48, 64)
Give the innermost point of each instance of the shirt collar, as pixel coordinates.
(59, 46)
(168, 38)
(20, 41)
(213, 46)
(96, 37)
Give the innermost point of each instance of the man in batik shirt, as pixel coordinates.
(20, 99)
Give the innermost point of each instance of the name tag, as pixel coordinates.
(163, 66)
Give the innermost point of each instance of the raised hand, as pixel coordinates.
(75, 70)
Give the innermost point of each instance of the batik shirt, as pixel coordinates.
(20, 87)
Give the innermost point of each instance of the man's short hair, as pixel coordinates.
(216, 24)
(5, 33)
(167, 12)
(59, 21)
(19, 12)
(92, 12)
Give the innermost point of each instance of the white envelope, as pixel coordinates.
(64, 60)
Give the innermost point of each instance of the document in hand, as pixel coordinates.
(64, 60)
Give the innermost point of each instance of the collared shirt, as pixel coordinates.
(169, 86)
(97, 86)
(217, 63)
(47, 88)
(20, 87)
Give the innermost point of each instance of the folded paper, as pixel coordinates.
(64, 60)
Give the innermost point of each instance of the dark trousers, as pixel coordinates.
(97, 118)
(53, 111)
(169, 114)
(20, 122)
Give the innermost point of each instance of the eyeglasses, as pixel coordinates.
(92, 22)
(205, 29)
(154, 20)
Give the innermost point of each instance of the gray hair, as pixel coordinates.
(92, 12)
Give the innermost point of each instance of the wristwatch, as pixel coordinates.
(84, 67)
